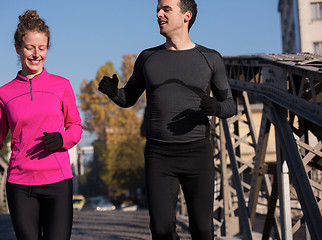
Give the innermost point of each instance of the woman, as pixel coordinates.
(39, 109)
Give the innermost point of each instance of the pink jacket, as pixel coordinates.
(28, 108)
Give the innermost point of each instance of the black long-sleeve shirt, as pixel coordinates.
(174, 82)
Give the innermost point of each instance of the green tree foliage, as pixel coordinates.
(125, 168)
(91, 183)
(95, 105)
(118, 161)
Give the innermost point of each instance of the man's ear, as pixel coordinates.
(187, 16)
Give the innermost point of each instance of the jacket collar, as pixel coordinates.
(40, 75)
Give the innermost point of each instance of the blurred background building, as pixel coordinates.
(301, 24)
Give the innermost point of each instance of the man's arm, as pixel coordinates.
(127, 96)
(222, 104)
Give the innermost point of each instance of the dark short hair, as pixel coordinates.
(189, 5)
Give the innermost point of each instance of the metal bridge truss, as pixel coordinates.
(276, 193)
(285, 91)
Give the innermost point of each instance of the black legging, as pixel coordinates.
(191, 166)
(42, 211)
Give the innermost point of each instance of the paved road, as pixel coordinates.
(119, 225)
(111, 225)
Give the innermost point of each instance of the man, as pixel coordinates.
(178, 77)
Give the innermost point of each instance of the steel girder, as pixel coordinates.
(288, 83)
(288, 87)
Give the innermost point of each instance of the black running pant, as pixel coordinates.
(42, 211)
(191, 166)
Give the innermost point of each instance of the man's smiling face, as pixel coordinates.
(170, 17)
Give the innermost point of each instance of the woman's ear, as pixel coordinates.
(17, 49)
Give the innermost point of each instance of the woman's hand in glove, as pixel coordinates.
(53, 141)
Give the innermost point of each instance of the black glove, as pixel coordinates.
(53, 141)
(210, 106)
(109, 85)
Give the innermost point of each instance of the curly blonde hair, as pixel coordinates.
(28, 22)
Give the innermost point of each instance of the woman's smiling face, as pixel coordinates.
(33, 53)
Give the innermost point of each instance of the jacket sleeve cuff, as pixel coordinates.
(71, 137)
